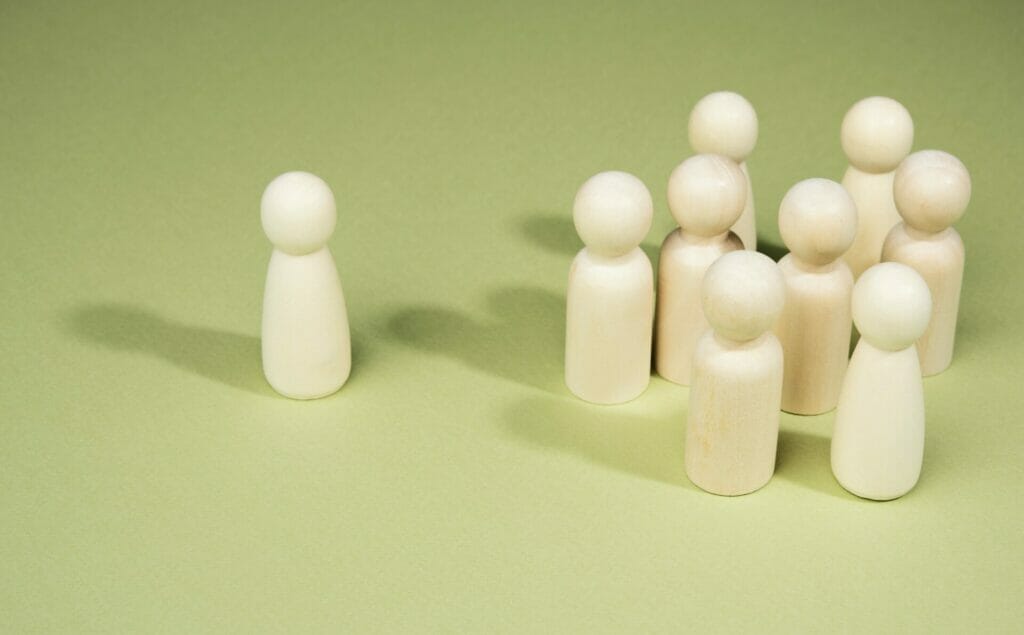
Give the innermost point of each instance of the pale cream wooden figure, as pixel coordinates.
(817, 220)
(705, 195)
(725, 123)
(610, 299)
(305, 334)
(878, 441)
(932, 190)
(877, 134)
(733, 424)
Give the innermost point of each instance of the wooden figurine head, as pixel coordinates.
(612, 213)
(724, 123)
(931, 190)
(877, 134)
(706, 194)
(818, 221)
(743, 293)
(891, 306)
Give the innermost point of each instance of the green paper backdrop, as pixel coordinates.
(150, 481)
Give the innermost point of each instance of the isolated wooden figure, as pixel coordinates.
(610, 299)
(305, 334)
(878, 441)
(817, 220)
(725, 123)
(932, 190)
(706, 194)
(877, 134)
(733, 424)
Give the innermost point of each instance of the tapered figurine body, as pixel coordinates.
(877, 134)
(932, 190)
(610, 299)
(817, 220)
(878, 441)
(725, 123)
(733, 427)
(706, 194)
(305, 334)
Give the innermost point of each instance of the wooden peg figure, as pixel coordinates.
(305, 335)
(733, 426)
(706, 194)
(725, 123)
(932, 190)
(877, 134)
(878, 441)
(610, 299)
(818, 221)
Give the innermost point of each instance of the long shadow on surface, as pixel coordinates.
(644, 445)
(520, 338)
(556, 234)
(228, 358)
(552, 232)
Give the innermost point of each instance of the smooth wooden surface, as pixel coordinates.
(818, 222)
(876, 215)
(681, 321)
(746, 227)
(932, 190)
(814, 330)
(609, 321)
(305, 339)
(610, 295)
(939, 258)
(876, 134)
(878, 441)
(733, 424)
(725, 123)
(706, 194)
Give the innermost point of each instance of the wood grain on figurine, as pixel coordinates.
(932, 190)
(706, 194)
(610, 297)
(818, 221)
(733, 423)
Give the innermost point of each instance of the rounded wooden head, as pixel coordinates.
(724, 123)
(891, 306)
(931, 190)
(298, 213)
(612, 213)
(743, 293)
(877, 134)
(706, 194)
(818, 221)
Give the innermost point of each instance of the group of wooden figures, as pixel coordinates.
(751, 337)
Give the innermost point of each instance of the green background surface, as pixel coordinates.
(151, 480)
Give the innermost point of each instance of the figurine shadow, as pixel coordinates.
(771, 249)
(646, 446)
(228, 358)
(556, 234)
(521, 338)
(805, 459)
